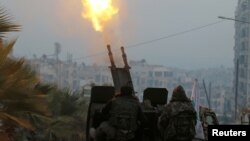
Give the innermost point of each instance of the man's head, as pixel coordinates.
(126, 90)
(178, 89)
(179, 94)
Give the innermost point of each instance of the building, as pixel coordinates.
(242, 56)
(81, 78)
(56, 72)
(145, 75)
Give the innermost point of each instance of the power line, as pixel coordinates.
(175, 34)
(156, 39)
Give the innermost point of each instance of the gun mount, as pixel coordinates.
(121, 76)
(153, 99)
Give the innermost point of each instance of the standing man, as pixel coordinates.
(178, 120)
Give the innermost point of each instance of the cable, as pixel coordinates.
(173, 35)
(157, 39)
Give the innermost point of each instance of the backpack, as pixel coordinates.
(184, 123)
(181, 127)
(123, 117)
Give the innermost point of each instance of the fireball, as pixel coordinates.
(99, 12)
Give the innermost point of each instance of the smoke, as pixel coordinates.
(111, 35)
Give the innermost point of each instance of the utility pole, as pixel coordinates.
(57, 51)
(208, 100)
(236, 87)
(209, 92)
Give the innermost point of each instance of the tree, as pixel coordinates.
(18, 95)
(6, 25)
(29, 109)
(69, 113)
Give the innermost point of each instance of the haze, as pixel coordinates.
(45, 22)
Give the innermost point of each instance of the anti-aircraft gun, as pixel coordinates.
(121, 76)
(153, 99)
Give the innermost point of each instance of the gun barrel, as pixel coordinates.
(111, 58)
(124, 57)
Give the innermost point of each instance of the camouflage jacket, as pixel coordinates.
(176, 115)
(124, 107)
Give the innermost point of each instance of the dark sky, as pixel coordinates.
(45, 22)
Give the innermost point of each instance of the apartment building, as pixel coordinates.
(242, 56)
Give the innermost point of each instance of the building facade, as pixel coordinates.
(242, 56)
(81, 78)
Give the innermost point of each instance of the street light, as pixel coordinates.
(225, 18)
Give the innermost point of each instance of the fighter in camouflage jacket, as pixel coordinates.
(178, 120)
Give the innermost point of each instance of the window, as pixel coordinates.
(158, 74)
(242, 59)
(244, 6)
(160, 83)
(242, 73)
(150, 83)
(168, 74)
(156, 82)
(243, 47)
(143, 81)
(97, 78)
(150, 74)
(243, 32)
